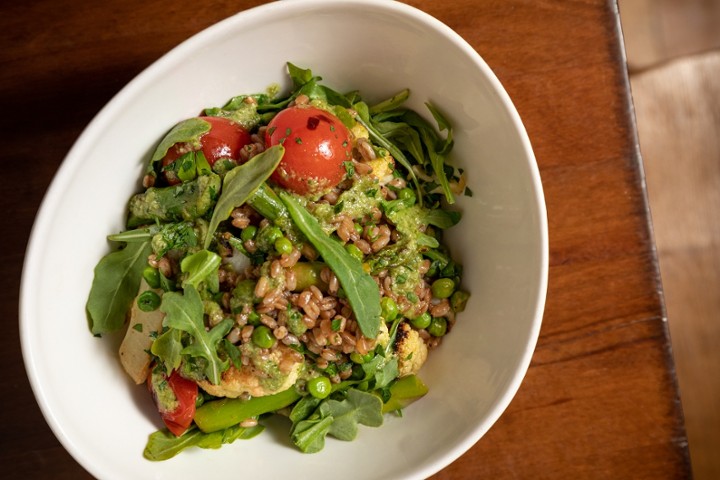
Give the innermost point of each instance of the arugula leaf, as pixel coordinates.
(378, 138)
(199, 266)
(163, 444)
(136, 235)
(361, 290)
(441, 218)
(185, 312)
(339, 419)
(187, 131)
(391, 103)
(240, 183)
(437, 150)
(299, 76)
(115, 284)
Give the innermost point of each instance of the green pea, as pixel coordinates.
(152, 277)
(407, 194)
(272, 234)
(389, 309)
(263, 337)
(283, 245)
(148, 301)
(254, 318)
(438, 327)
(354, 251)
(319, 387)
(248, 233)
(443, 288)
(421, 321)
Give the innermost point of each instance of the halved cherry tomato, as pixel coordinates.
(316, 145)
(185, 392)
(224, 140)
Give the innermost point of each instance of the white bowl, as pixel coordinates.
(378, 47)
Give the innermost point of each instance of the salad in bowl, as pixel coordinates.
(285, 256)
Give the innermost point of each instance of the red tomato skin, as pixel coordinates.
(186, 392)
(224, 140)
(316, 145)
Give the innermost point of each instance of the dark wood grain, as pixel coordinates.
(600, 399)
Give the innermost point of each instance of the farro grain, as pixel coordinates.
(165, 267)
(316, 292)
(329, 355)
(441, 309)
(246, 332)
(262, 287)
(290, 280)
(250, 246)
(280, 332)
(249, 422)
(234, 335)
(366, 151)
(363, 246)
(275, 269)
(398, 183)
(268, 321)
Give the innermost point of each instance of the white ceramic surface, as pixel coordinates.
(379, 47)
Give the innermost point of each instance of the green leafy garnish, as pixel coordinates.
(361, 290)
(115, 285)
(185, 312)
(339, 419)
(240, 183)
(200, 266)
(187, 131)
(163, 444)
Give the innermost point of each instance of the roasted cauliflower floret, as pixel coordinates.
(410, 349)
(266, 373)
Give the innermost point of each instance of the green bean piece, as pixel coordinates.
(226, 412)
(442, 288)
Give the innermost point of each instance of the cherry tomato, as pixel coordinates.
(185, 391)
(316, 145)
(224, 140)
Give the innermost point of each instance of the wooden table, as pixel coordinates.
(600, 399)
